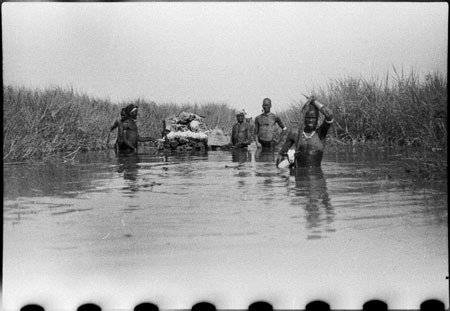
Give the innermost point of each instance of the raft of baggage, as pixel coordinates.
(189, 131)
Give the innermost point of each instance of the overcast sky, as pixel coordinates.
(233, 52)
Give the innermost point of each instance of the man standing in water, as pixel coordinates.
(130, 136)
(240, 134)
(264, 126)
(309, 142)
(118, 124)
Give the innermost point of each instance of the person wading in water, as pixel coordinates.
(130, 137)
(117, 124)
(240, 134)
(264, 126)
(309, 142)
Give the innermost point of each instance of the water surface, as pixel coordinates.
(222, 227)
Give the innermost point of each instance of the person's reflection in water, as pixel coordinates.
(128, 165)
(241, 155)
(265, 155)
(266, 173)
(319, 213)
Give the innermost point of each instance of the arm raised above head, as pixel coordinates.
(327, 112)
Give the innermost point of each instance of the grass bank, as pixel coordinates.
(39, 123)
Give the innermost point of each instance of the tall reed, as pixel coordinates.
(398, 110)
(43, 122)
(401, 112)
(39, 122)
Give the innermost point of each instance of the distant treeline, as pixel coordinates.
(404, 112)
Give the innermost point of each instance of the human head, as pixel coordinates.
(131, 111)
(267, 104)
(311, 118)
(240, 116)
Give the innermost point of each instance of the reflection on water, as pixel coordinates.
(145, 222)
(241, 155)
(265, 155)
(128, 165)
(311, 186)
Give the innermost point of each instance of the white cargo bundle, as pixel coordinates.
(185, 131)
(187, 134)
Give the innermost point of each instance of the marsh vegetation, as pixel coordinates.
(40, 123)
(400, 111)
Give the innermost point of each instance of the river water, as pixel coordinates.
(226, 228)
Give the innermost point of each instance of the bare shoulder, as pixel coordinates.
(273, 115)
(257, 121)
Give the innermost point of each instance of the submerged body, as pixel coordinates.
(129, 138)
(240, 134)
(265, 126)
(310, 142)
(118, 124)
(309, 146)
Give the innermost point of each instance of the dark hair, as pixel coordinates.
(268, 100)
(129, 108)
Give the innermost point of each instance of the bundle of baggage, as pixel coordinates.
(185, 131)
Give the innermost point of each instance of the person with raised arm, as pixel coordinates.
(310, 141)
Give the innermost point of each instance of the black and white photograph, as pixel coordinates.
(225, 155)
